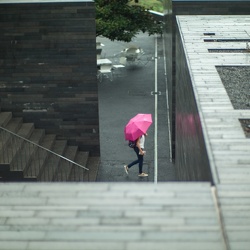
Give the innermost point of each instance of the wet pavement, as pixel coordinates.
(132, 92)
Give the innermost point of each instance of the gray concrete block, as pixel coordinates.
(73, 222)
(202, 221)
(164, 213)
(25, 201)
(91, 201)
(240, 236)
(163, 245)
(11, 187)
(194, 212)
(237, 221)
(104, 212)
(103, 236)
(30, 235)
(120, 221)
(56, 214)
(65, 245)
(239, 245)
(234, 201)
(47, 188)
(186, 201)
(176, 236)
(27, 221)
(163, 221)
(13, 245)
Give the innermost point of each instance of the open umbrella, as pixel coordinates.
(137, 126)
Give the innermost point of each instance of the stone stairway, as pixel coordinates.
(109, 216)
(23, 162)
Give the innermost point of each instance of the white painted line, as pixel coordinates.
(156, 117)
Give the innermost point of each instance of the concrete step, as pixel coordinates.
(5, 117)
(26, 130)
(65, 167)
(93, 166)
(38, 162)
(52, 163)
(235, 175)
(77, 173)
(26, 162)
(26, 153)
(235, 205)
(14, 124)
(23, 152)
(109, 216)
(11, 147)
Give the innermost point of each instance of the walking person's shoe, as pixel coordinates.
(126, 169)
(143, 175)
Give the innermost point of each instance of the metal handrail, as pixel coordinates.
(19, 153)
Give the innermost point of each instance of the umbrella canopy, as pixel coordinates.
(137, 126)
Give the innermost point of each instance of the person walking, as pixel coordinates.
(139, 150)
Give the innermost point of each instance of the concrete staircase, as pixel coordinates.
(22, 161)
(109, 216)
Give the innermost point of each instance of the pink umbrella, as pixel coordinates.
(137, 126)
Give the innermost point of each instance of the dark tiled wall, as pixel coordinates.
(192, 7)
(48, 68)
(191, 161)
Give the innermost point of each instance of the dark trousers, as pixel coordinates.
(139, 160)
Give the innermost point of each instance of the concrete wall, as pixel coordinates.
(191, 161)
(48, 67)
(189, 7)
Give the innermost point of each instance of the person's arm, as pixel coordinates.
(139, 146)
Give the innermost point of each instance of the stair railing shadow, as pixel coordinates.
(24, 160)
